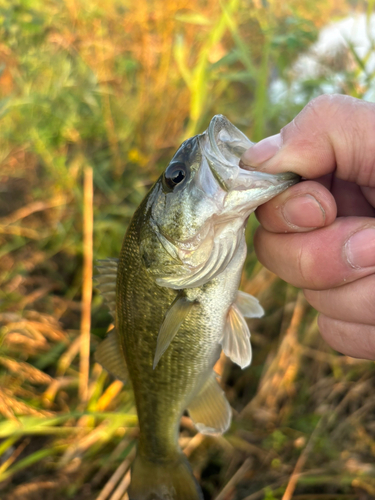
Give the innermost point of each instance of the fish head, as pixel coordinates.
(198, 209)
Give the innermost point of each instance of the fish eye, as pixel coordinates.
(175, 174)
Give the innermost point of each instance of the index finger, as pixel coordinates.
(332, 133)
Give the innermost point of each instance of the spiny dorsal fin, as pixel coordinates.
(210, 410)
(236, 338)
(110, 356)
(106, 279)
(248, 305)
(175, 315)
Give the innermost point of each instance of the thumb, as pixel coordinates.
(332, 133)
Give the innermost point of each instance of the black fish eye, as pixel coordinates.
(175, 174)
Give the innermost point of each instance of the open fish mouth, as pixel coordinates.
(223, 145)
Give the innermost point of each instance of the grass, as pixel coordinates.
(112, 88)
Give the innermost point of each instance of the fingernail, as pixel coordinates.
(304, 211)
(262, 151)
(360, 248)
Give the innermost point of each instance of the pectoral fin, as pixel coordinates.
(175, 315)
(110, 356)
(106, 279)
(249, 305)
(236, 338)
(210, 410)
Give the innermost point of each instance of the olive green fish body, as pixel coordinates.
(162, 394)
(176, 301)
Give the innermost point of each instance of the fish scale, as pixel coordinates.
(140, 317)
(177, 301)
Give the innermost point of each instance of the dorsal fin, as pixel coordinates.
(106, 279)
(109, 355)
(236, 338)
(173, 318)
(210, 410)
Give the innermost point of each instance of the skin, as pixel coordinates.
(305, 234)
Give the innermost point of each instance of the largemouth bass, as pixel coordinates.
(174, 295)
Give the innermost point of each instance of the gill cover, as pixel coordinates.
(198, 208)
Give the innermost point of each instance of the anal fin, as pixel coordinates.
(110, 356)
(236, 338)
(210, 410)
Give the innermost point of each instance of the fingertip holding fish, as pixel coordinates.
(262, 151)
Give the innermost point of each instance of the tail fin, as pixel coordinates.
(172, 480)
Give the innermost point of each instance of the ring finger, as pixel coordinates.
(351, 339)
(353, 302)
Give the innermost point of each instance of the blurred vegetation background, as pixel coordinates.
(113, 87)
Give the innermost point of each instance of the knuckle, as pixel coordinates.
(341, 127)
(307, 125)
(323, 104)
(356, 156)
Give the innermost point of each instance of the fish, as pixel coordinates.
(174, 297)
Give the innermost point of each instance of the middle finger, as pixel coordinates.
(321, 259)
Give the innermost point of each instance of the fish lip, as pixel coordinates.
(282, 175)
(227, 168)
(288, 179)
(288, 176)
(280, 181)
(277, 182)
(260, 175)
(227, 126)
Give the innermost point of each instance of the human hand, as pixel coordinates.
(320, 234)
